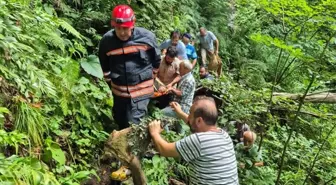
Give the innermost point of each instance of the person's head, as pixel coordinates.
(163, 51)
(203, 31)
(186, 38)
(203, 72)
(174, 37)
(185, 67)
(249, 138)
(171, 53)
(203, 114)
(123, 20)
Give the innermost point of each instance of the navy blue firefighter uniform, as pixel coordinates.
(128, 67)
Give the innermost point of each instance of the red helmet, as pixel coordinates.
(123, 16)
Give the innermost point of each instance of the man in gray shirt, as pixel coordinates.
(175, 41)
(204, 74)
(209, 150)
(208, 46)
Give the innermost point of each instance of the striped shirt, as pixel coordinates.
(211, 158)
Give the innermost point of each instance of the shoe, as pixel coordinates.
(122, 174)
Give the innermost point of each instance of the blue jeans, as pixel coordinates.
(168, 111)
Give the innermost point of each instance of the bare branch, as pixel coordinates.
(313, 98)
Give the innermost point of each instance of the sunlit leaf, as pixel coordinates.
(92, 66)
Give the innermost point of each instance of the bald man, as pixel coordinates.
(209, 150)
(247, 150)
(249, 138)
(185, 90)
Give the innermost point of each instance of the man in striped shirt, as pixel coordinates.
(209, 150)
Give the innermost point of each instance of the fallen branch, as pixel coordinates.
(323, 97)
(128, 145)
(303, 112)
(117, 146)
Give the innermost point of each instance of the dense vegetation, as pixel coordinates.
(54, 106)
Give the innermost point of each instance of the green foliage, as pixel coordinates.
(53, 150)
(92, 66)
(30, 120)
(3, 111)
(158, 170)
(18, 170)
(54, 106)
(12, 139)
(76, 177)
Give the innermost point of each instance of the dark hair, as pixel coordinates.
(171, 51)
(175, 34)
(209, 115)
(202, 65)
(187, 35)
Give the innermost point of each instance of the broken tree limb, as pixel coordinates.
(303, 112)
(117, 146)
(324, 97)
(129, 145)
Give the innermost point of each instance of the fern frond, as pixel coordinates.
(70, 73)
(54, 39)
(64, 105)
(65, 25)
(84, 111)
(23, 47)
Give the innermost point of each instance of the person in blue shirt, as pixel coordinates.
(190, 49)
(175, 41)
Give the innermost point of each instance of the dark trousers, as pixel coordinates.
(126, 110)
(163, 101)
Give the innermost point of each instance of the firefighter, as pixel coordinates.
(130, 58)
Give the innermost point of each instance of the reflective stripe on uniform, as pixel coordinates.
(135, 94)
(107, 76)
(138, 90)
(128, 49)
(148, 83)
(107, 73)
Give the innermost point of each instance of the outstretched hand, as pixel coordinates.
(176, 107)
(155, 127)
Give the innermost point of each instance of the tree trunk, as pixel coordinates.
(130, 144)
(324, 97)
(117, 146)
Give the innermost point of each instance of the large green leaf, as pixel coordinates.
(92, 66)
(54, 151)
(57, 153)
